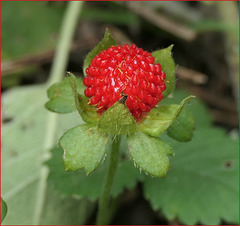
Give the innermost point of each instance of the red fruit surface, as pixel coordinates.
(125, 70)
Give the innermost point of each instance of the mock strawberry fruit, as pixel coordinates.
(125, 70)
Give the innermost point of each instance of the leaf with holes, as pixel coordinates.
(202, 185)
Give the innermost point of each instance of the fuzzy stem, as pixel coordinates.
(104, 201)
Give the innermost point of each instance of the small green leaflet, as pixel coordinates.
(84, 148)
(106, 43)
(86, 111)
(61, 99)
(117, 120)
(149, 154)
(161, 118)
(163, 57)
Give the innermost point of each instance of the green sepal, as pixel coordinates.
(164, 57)
(84, 148)
(61, 96)
(3, 209)
(182, 128)
(86, 111)
(149, 154)
(117, 120)
(161, 118)
(106, 43)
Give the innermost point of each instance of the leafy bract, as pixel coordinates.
(86, 111)
(78, 184)
(24, 125)
(106, 42)
(164, 57)
(195, 107)
(149, 154)
(182, 128)
(61, 96)
(203, 183)
(117, 120)
(161, 118)
(84, 148)
(3, 209)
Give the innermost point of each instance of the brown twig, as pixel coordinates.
(193, 76)
(162, 21)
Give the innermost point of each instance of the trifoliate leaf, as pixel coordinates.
(61, 96)
(164, 57)
(149, 154)
(106, 42)
(182, 128)
(3, 209)
(203, 183)
(117, 120)
(161, 118)
(77, 183)
(84, 148)
(86, 111)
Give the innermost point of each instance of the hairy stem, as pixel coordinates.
(104, 201)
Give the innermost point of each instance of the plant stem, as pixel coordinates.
(57, 71)
(104, 201)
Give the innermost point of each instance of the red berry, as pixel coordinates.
(127, 70)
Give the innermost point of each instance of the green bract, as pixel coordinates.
(85, 145)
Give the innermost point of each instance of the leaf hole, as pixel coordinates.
(228, 164)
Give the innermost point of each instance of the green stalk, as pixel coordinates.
(104, 202)
(57, 71)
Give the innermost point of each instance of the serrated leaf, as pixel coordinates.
(84, 148)
(106, 42)
(117, 120)
(182, 128)
(3, 209)
(149, 154)
(86, 111)
(24, 122)
(161, 118)
(164, 57)
(77, 183)
(202, 185)
(61, 96)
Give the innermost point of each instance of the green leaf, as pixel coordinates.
(3, 209)
(83, 147)
(77, 183)
(182, 128)
(22, 153)
(106, 43)
(161, 118)
(195, 107)
(61, 96)
(28, 28)
(164, 57)
(86, 111)
(117, 120)
(203, 183)
(149, 154)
